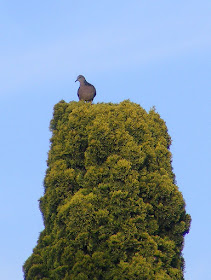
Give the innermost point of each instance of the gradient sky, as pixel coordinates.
(155, 53)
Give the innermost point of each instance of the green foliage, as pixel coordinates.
(111, 208)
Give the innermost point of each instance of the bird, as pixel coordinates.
(86, 91)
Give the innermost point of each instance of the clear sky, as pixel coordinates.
(155, 53)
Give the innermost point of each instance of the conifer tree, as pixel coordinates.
(111, 206)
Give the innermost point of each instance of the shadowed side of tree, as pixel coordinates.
(111, 208)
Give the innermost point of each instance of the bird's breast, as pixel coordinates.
(86, 93)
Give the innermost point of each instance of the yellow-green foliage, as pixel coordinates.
(111, 208)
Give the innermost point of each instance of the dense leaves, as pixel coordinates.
(111, 208)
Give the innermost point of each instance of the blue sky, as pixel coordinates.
(155, 53)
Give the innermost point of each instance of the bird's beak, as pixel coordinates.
(76, 80)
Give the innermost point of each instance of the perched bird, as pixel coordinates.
(86, 91)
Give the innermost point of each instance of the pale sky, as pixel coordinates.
(155, 53)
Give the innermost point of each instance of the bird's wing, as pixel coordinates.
(95, 93)
(78, 92)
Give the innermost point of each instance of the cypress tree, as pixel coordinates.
(111, 206)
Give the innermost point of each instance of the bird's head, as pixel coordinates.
(80, 78)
